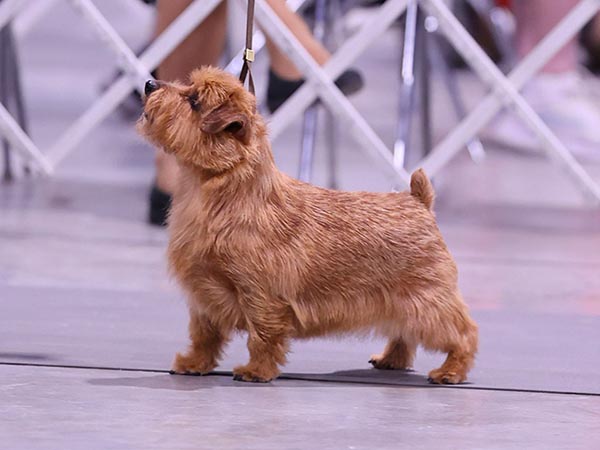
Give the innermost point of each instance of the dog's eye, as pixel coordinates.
(193, 101)
(234, 127)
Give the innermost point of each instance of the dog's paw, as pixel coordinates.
(190, 365)
(440, 376)
(384, 363)
(253, 374)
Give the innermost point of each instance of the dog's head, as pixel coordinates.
(209, 123)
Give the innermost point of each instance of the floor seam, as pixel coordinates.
(324, 379)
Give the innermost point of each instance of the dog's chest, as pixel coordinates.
(198, 249)
(189, 249)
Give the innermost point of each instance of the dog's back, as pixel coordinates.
(373, 253)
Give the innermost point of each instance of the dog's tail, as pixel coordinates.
(421, 188)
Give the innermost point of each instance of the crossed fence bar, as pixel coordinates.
(504, 90)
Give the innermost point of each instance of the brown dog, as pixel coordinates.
(261, 252)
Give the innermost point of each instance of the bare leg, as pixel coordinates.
(398, 354)
(206, 347)
(558, 94)
(280, 64)
(596, 29)
(202, 47)
(534, 19)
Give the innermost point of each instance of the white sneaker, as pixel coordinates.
(563, 101)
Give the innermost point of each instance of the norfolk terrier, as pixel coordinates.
(260, 252)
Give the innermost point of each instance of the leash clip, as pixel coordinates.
(248, 55)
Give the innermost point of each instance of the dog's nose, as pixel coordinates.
(150, 87)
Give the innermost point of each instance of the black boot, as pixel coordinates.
(280, 89)
(160, 203)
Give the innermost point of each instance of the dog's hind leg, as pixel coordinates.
(450, 329)
(206, 347)
(398, 354)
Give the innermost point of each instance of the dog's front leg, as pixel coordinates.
(267, 352)
(206, 347)
(268, 328)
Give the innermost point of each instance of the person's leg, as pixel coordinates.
(590, 40)
(558, 93)
(202, 47)
(280, 64)
(284, 77)
(595, 29)
(535, 18)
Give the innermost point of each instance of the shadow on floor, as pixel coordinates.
(225, 379)
(25, 357)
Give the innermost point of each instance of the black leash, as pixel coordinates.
(248, 55)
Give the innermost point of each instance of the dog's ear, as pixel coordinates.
(228, 119)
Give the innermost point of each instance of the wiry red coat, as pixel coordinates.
(260, 252)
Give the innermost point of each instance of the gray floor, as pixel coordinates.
(89, 321)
